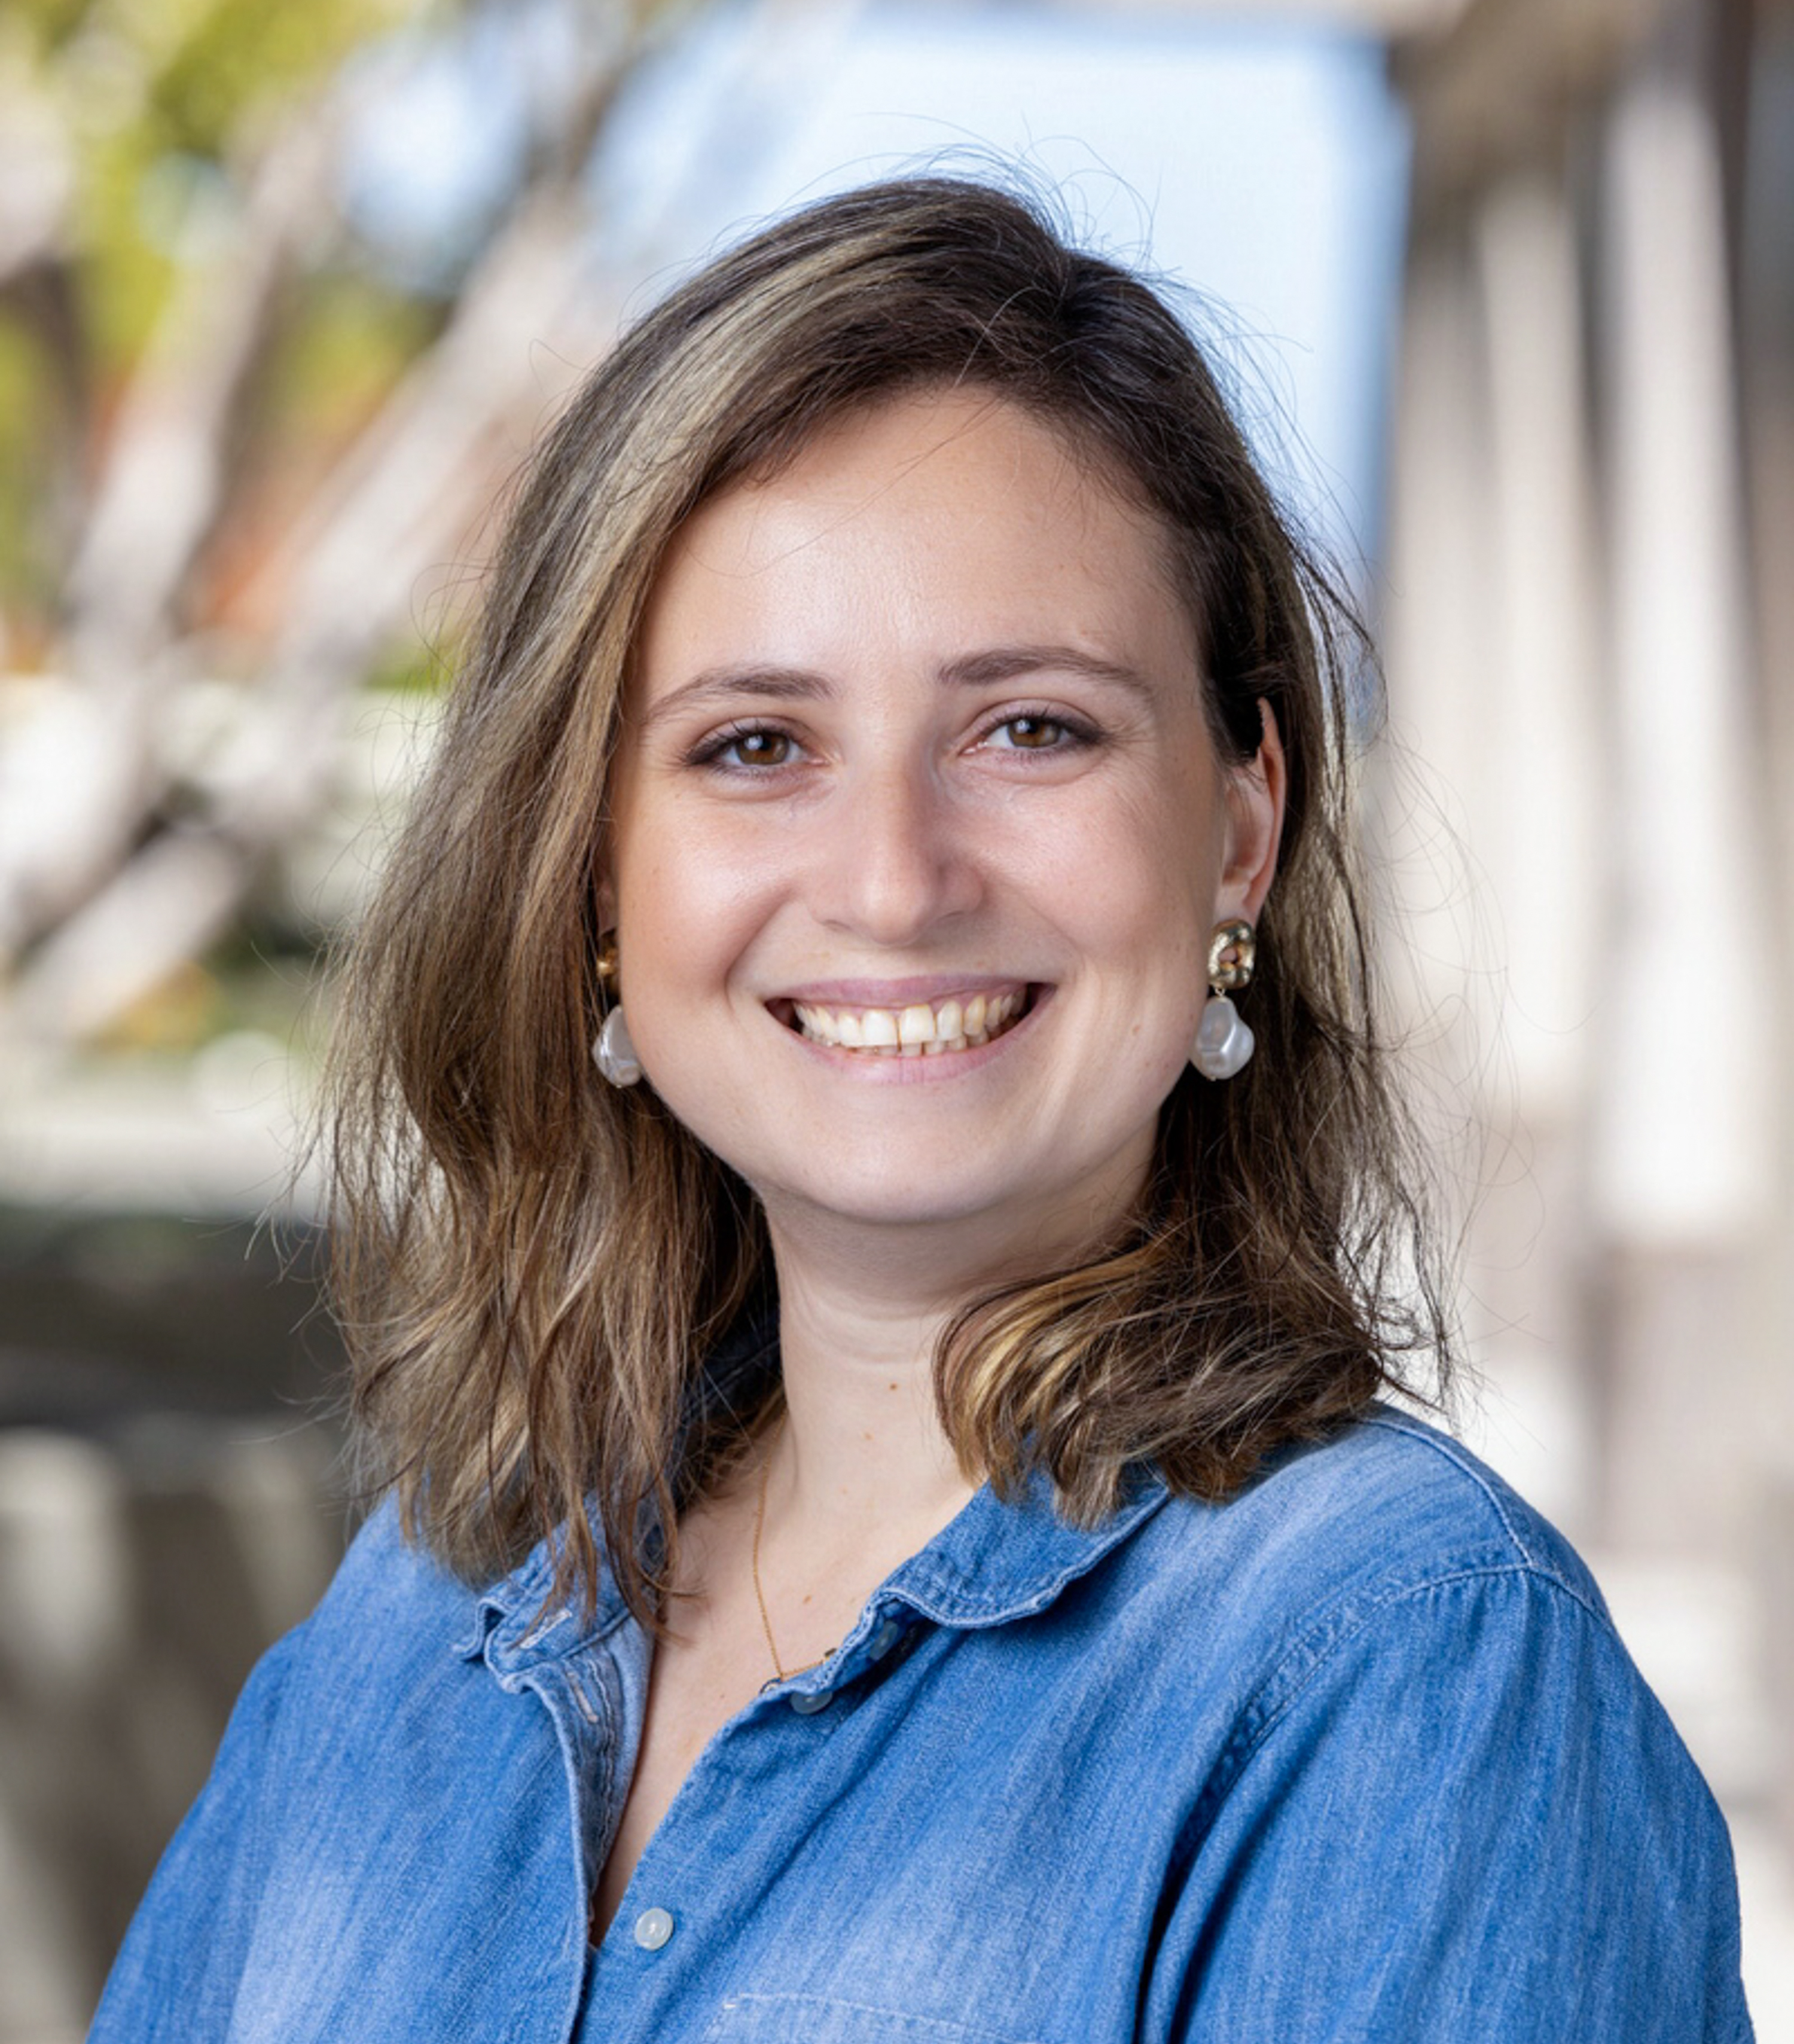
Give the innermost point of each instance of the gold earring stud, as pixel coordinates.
(1232, 950)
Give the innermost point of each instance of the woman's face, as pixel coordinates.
(918, 833)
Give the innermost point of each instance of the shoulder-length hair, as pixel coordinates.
(532, 1267)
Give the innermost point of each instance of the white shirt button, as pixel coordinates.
(884, 1639)
(653, 1928)
(807, 1707)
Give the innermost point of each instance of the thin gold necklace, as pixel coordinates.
(784, 1674)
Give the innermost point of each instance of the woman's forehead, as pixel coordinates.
(942, 415)
(936, 526)
(960, 504)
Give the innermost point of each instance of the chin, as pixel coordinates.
(894, 1200)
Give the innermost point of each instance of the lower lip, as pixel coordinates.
(923, 1071)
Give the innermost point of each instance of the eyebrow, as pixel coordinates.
(998, 663)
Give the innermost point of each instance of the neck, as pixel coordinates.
(861, 1309)
(862, 1446)
(862, 1304)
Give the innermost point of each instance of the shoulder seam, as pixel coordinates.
(1447, 1451)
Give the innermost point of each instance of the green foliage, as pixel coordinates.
(346, 344)
(25, 488)
(239, 58)
(159, 94)
(423, 666)
(194, 70)
(164, 104)
(43, 25)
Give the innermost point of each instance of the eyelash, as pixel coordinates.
(1075, 735)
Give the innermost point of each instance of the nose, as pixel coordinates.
(899, 860)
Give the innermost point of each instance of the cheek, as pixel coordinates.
(1142, 874)
(687, 906)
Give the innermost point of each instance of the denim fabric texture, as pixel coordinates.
(1357, 1755)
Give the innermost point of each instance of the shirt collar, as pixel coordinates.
(999, 1559)
(1002, 1559)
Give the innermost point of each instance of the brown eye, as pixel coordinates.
(1034, 733)
(762, 748)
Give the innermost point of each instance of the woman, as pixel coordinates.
(892, 1534)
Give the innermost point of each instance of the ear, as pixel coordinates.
(1256, 789)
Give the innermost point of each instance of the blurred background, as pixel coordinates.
(1505, 291)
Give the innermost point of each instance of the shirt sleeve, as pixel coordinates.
(1462, 1816)
(176, 1974)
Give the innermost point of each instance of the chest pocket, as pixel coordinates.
(810, 2018)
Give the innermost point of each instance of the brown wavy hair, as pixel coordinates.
(532, 1267)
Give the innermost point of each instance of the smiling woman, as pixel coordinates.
(893, 1534)
(946, 752)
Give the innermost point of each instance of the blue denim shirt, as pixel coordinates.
(1356, 1755)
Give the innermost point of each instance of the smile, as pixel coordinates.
(921, 1029)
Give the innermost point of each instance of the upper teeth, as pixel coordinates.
(918, 1031)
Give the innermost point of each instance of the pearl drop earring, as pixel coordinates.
(612, 1052)
(1223, 1042)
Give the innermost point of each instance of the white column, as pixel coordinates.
(1686, 1156)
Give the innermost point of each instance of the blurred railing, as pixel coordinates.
(169, 1504)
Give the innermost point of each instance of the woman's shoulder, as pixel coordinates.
(1384, 1599)
(1373, 1527)
(1423, 1696)
(374, 1770)
(1395, 1494)
(394, 1621)
(390, 1588)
